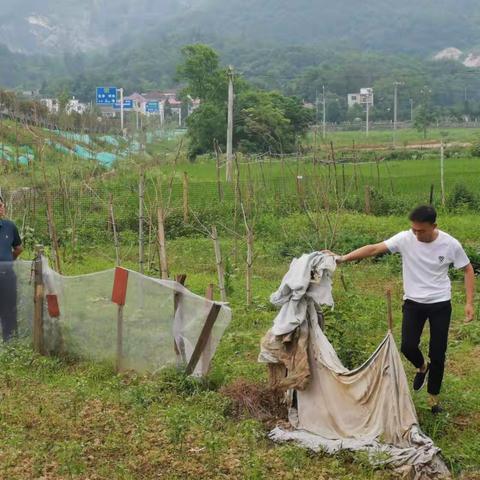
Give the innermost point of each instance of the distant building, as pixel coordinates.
(51, 104)
(75, 106)
(362, 98)
(139, 102)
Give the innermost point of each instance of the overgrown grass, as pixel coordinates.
(64, 418)
(80, 420)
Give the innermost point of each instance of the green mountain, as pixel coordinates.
(74, 46)
(58, 26)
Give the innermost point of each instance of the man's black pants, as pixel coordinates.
(414, 317)
(8, 301)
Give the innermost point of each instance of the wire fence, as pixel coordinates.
(81, 212)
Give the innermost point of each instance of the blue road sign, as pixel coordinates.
(106, 95)
(127, 105)
(152, 107)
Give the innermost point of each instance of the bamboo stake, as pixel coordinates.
(219, 264)
(115, 234)
(119, 358)
(368, 209)
(207, 352)
(389, 310)
(162, 244)
(217, 164)
(249, 265)
(180, 348)
(50, 218)
(185, 197)
(38, 340)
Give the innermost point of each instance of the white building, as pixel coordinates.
(76, 106)
(51, 104)
(362, 98)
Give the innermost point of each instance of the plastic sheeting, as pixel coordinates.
(87, 324)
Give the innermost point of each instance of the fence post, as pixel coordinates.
(38, 340)
(119, 296)
(368, 208)
(249, 272)
(219, 264)
(206, 355)
(161, 244)
(203, 338)
(389, 310)
(185, 197)
(180, 348)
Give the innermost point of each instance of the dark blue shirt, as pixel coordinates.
(9, 239)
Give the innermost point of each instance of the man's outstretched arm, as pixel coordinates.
(364, 252)
(469, 292)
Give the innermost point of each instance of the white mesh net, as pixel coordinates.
(162, 320)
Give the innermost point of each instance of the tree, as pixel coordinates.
(264, 121)
(424, 114)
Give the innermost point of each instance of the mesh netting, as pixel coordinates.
(162, 320)
(16, 298)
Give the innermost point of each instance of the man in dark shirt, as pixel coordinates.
(10, 249)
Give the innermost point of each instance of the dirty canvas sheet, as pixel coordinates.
(369, 408)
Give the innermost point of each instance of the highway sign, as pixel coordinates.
(152, 107)
(106, 95)
(127, 105)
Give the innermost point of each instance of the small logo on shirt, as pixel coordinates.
(441, 259)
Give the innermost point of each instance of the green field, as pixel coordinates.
(403, 137)
(64, 418)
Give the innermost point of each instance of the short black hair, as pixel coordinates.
(424, 214)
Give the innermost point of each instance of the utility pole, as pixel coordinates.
(367, 119)
(229, 169)
(121, 110)
(324, 112)
(411, 110)
(395, 109)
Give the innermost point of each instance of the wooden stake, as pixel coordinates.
(207, 352)
(50, 217)
(119, 360)
(219, 264)
(38, 340)
(203, 338)
(162, 244)
(217, 164)
(115, 234)
(185, 197)
(180, 348)
(334, 169)
(389, 310)
(368, 208)
(249, 265)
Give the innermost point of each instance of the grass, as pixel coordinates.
(63, 419)
(75, 419)
(404, 137)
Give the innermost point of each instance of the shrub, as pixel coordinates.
(462, 197)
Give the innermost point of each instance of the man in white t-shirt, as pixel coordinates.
(427, 254)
